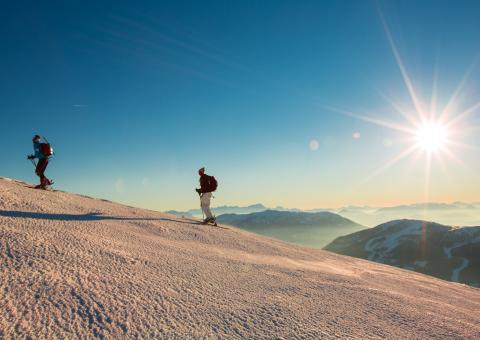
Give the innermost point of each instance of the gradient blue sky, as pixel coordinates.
(136, 96)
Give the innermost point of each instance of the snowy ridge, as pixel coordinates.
(379, 247)
(451, 253)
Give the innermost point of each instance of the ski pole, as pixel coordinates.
(201, 208)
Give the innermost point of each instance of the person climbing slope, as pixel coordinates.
(43, 151)
(208, 184)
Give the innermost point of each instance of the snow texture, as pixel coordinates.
(77, 267)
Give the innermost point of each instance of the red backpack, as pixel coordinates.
(212, 183)
(46, 149)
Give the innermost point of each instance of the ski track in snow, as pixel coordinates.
(77, 267)
(456, 272)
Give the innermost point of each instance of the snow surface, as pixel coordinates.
(77, 267)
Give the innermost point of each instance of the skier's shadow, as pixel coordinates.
(94, 216)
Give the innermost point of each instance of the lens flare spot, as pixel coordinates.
(314, 144)
(356, 135)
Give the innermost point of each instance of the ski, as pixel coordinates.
(212, 224)
(39, 187)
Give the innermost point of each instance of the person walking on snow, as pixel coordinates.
(42, 151)
(208, 184)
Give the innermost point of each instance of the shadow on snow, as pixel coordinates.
(78, 217)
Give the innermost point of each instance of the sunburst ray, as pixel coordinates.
(403, 70)
(391, 162)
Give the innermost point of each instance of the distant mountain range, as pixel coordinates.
(457, 213)
(450, 253)
(308, 229)
(221, 210)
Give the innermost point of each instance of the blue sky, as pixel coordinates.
(136, 96)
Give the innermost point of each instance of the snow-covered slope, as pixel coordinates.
(450, 253)
(77, 267)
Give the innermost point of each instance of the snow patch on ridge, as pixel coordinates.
(420, 263)
(456, 272)
(377, 247)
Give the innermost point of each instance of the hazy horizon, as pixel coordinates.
(335, 208)
(453, 214)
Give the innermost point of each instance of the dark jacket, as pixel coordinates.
(204, 184)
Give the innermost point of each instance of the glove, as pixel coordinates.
(30, 157)
(198, 191)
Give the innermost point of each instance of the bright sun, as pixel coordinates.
(431, 137)
(431, 131)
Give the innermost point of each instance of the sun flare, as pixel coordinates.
(431, 131)
(431, 137)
